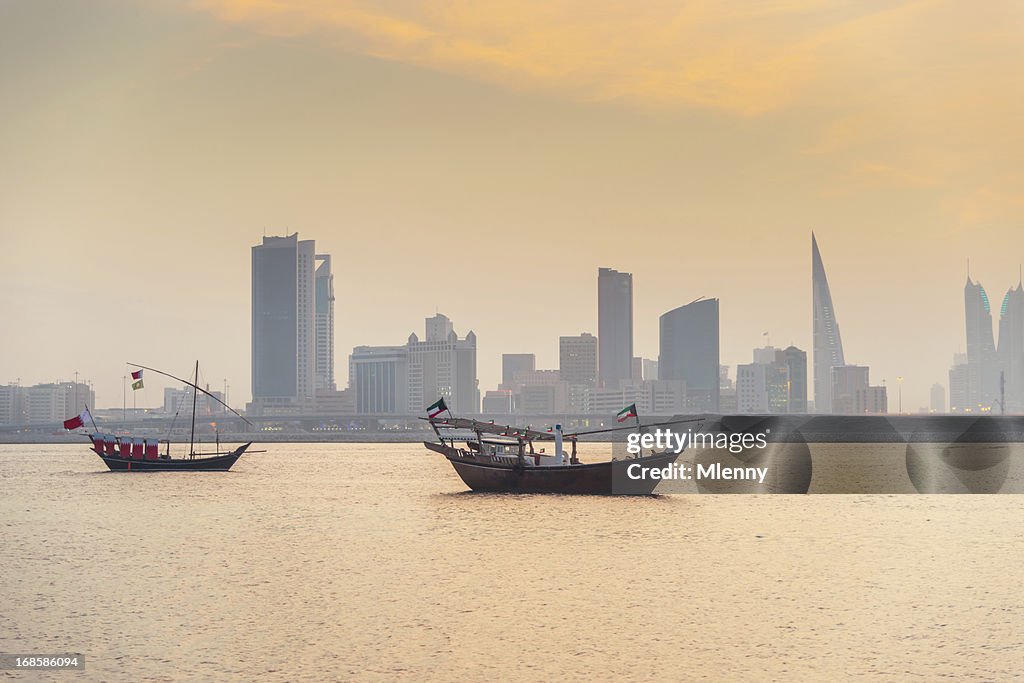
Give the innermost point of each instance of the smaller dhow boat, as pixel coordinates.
(504, 458)
(123, 452)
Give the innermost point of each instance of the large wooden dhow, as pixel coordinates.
(125, 453)
(502, 458)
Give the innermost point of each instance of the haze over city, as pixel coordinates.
(485, 161)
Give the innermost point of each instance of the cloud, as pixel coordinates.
(743, 58)
(884, 94)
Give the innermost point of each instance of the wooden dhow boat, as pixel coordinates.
(505, 458)
(125, 453)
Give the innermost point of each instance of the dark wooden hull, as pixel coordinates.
(603, 478)
(216, 463)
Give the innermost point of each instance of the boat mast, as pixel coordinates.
(195, 395)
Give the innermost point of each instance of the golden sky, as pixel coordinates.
(507, 150)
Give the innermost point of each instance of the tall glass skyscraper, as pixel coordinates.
(828, 344)
(982, 364)
(324, 324)
(689, 351)
(1011, 346)
(614, 327)
(292, 321)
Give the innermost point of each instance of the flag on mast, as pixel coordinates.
(436, 408)
(78, 420)
(136, 385)
(136, 375)
(626, 413)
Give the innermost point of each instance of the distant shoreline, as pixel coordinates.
(784, 429)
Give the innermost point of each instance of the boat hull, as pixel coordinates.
(605, 478)
(217, 463)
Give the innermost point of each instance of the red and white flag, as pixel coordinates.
(77, 421)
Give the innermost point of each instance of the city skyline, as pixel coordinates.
(155, 396)
(132, 199)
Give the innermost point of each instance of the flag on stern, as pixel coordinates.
(435, 409)
(77, 421)
(626, 413)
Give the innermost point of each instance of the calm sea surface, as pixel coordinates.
(333, 562)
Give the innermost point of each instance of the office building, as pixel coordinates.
(511, 363)
(614, 327)
(959, 385)
(291, 330)
(937, 402)
(689, 352)
(1011, 347)
(443, 366)
(796, 368)
(324, 312)
(847, 380)
(982, 362)
(378, 378)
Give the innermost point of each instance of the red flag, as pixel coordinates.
(137, 375)
(77, 421)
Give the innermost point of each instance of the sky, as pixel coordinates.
(484, 159)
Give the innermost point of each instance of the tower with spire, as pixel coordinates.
(828, 343)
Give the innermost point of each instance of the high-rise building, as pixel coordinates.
(43, 404)
(324, 305)
(959, 385)
(284, 321)
(511, 363)
(378, 379)
(751, 389)
(650, 369)
(871, 400)
(796, 370)
(982, 363)
(614, 327)
(577, 367)
(937, 402)
(689, 351)
(12, 406)
(828, 344)
(577, 359)
(1011, 347)
(846, 381)
(443, 366)
(776, 382)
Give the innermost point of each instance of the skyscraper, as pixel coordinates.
(1011, 346)
(828, 344)
(292, 321)
(614, 327)
(689, 351)
(982, 363)
(324, 298)
(283, 320)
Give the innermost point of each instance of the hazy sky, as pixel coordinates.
(484, 159)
